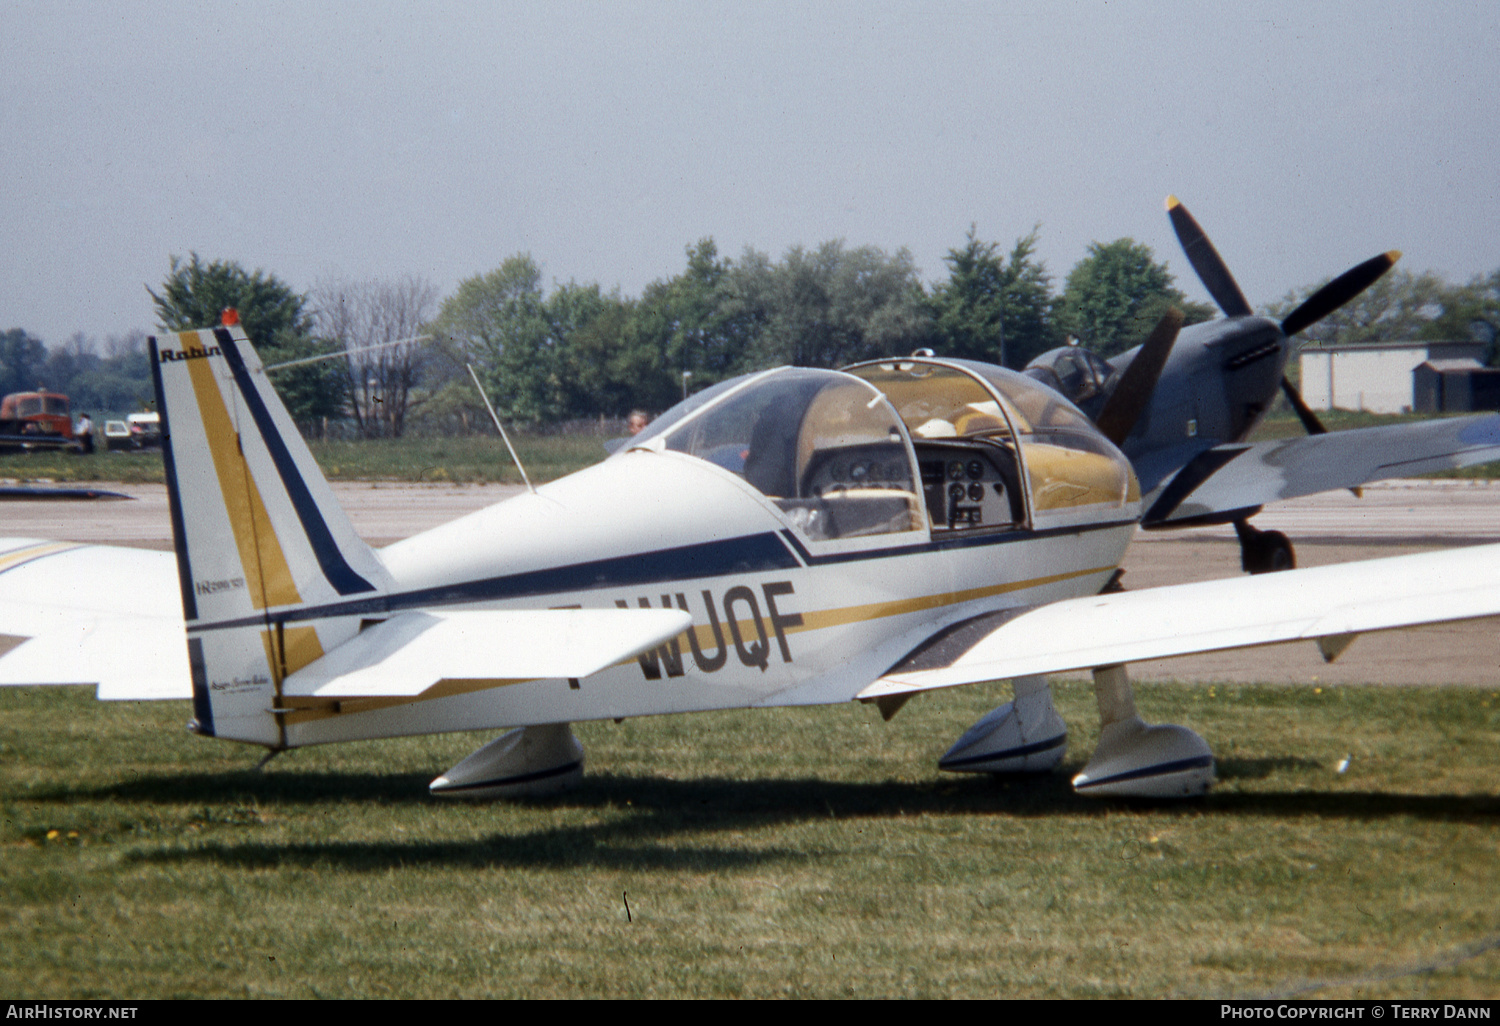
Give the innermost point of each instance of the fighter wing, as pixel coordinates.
(1329, 604)
(1228, 478)
(92, 614)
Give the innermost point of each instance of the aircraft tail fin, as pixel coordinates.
(272, 573)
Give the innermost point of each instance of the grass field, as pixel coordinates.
(470, 459)
(807, 853)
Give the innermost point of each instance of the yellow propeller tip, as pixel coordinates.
(1393, 255)
(1172, 202)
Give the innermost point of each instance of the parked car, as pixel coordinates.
(117, 436)
(145, 429)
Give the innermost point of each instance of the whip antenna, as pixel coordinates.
(500, 426)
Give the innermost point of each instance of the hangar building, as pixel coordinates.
(1384, 377)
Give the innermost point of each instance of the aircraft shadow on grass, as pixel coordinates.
(670, 824)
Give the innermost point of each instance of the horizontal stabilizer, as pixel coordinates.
(1184, 619)
(92, 614)
(411, 652)
(1238, 477)
(129, 659)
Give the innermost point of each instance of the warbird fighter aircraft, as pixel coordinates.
(1183, 404)
(790, 537)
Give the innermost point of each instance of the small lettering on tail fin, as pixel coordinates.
(271, 571)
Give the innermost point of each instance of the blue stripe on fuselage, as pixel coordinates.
(756, 553)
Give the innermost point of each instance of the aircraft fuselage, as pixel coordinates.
(778, 618)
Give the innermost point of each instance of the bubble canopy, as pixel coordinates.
(871, 449)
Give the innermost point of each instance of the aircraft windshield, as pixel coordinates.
(691, 404)
(824, 446)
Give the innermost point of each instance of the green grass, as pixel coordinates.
(808, 852)
(482, 458)
(1282, 422)
(473, 459)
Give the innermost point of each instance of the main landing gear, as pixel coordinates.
(1024, 736)
(1264, 552)
(528, 762)
(1133, 759)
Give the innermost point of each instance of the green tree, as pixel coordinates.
(587, 329)
(991, 308)
(832, 305)
(1469, 311)
(498, 322)
(22, 358)
(1401, 306)
(195, 294)
(1116, 293)
(693, 323)
(275, 318)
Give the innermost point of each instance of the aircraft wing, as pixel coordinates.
(111, 616)
(92, 614)
(1235, 477)
(412, 651)
(1329, 604)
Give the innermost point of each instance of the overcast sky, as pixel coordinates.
(382, 139)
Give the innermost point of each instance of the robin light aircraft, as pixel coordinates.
(790, 537)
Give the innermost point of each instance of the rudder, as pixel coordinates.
(271, 571)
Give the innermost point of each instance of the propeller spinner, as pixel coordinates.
(1215, 276)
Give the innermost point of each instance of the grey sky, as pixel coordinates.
(364, 139)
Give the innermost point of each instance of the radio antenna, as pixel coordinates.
(345, 352)
(500, 426)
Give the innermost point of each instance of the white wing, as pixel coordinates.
(95, 614)
(92, 614)
(1333, 602)
(1235, 477)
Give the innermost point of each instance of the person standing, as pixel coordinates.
(83, 432)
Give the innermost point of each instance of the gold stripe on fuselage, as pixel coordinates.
(261, 557)
(318, 708)
(898, 607)
(17, 557)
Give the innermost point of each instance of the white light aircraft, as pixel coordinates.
(791, 537)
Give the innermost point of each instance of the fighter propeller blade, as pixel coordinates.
(1133, 394)
(1309, 419)
(1338, 292)
(1211, 269)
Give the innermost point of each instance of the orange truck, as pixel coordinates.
(35, 420)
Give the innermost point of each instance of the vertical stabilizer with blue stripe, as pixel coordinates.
(258, 533)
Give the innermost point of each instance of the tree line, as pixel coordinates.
(400, 354)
